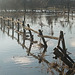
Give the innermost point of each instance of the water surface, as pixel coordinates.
(14, 59)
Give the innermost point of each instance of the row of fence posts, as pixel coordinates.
(58, 51)
(24, 32)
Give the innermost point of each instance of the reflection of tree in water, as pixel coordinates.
(49, 20)
(33, 17)
(55, 19)
(68, 24)
(40, 22)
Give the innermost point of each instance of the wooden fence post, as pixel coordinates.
(8, 26)
(66, 55)
(1, 23)
(61, 52)
(12, 28)
(63, 58)
(45, 46)
(31, 41)
(40, 33)
(61, 39)
(29, 31)
(4, 26)
(24, 34)
(18, 30)
(72, 15)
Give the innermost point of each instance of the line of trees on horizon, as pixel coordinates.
(34, 4)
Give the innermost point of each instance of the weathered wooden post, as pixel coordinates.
(72, 15)
(24, 33)
(30, 31)
(18, 30)
(4, 20)
(61, 39)
(1, 22)
(68, 6)
(45, 46)
(40, 33)
(4, 26)
(24, 28)
(60, 52)
(65, 55)
(31, 41)
(12, 28)
(8, 25)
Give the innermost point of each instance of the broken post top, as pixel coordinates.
(61, 39)
(61, 34)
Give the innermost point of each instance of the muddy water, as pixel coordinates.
(14, 59)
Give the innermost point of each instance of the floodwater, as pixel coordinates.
(14, 59)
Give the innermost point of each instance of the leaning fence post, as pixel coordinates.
(8, 25)
(31, 36)
(1, 23)
(4, 21)
(45, 46)
(40, 33)
(72, 15)
(12, 28)
(24, 29)
(24, 34)
(18, 30)
(4, 26)
(31, 43)
(61, 39)
(8, 21)
(63, 42)
(29, 31)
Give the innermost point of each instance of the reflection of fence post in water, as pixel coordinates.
(31, 41)
(12, 28)
(68, 6)
(1, 23)
(72, 15)
(18, 30)
(52, 32)
(8, 26)
(24, 34)
(4, 26)
(45, 46)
